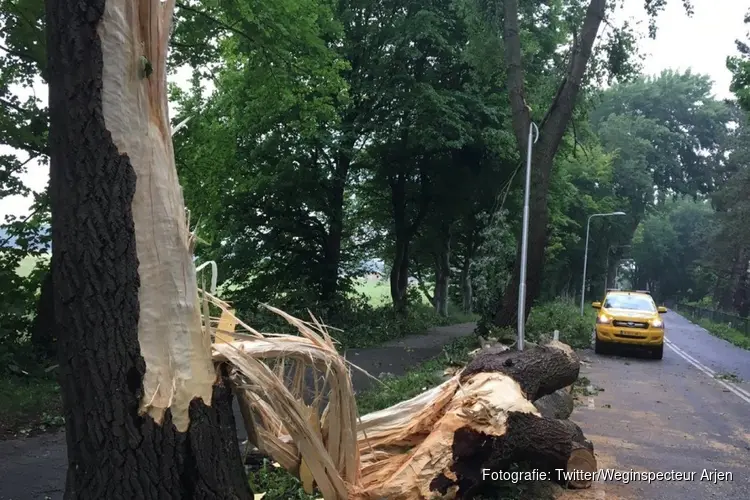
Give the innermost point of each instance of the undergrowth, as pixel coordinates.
(560, 314)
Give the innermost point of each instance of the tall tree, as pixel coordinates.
(582, 21)
(145, 416)
(667, 134)
(551, 131)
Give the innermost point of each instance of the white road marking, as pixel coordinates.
(738, 391)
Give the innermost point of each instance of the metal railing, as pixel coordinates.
(732, 320)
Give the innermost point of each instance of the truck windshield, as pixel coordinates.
(633, 302)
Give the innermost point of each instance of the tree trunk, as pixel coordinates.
(726, 297)
(551, 131)
(399, 278)
(43, 334)
(558, 405)
(332, 251)
(741, 299)
(467, 292)
(482, 419)
(443, 271)
(466, 289)
(404, 231)
(145, 415)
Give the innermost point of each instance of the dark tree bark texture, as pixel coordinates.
(559, 404)
(546, 442)
(113, 453)
(547, 369)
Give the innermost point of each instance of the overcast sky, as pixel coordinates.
(700, 43)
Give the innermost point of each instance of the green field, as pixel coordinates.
(378, 291)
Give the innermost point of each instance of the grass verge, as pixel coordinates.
(725, 332)
(29, 405)
(721, 330)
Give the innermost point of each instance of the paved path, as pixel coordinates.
(34, 468)
(671, 415)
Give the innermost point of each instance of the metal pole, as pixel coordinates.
(586, 252)
(606, 271)
(585, 261)
(525, 239)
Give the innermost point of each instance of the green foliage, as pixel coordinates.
(23, 131)
(739, 66)
(277, 483)
(565, 316)
(493, 263)
(671, 123)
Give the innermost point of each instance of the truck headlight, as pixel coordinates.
(657, 323)
(603, 319)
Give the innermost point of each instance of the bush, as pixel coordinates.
(563, 315)
(560, 314)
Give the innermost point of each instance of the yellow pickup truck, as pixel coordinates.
(629, 318)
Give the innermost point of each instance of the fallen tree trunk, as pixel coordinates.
(489, 424)
(436, 445)
(559, 404)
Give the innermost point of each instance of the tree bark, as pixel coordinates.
(404, 231)
(558, 405)
(332, 250)
(443, 271)
(118, 446)
(482, 419)
(551, 132)
(467, 293)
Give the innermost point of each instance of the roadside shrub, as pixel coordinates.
(565, 316)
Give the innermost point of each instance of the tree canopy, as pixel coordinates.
(328, 148)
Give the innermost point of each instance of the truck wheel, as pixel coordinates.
(599, 347)
(658, 352)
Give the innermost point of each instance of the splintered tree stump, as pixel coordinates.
(489, 424)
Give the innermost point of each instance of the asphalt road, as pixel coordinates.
(688, 413)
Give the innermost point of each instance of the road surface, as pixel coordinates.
(688, 413)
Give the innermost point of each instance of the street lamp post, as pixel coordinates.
(586, 252)
(525, 239)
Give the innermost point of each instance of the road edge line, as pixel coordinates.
(706, 368)
(739, 392)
